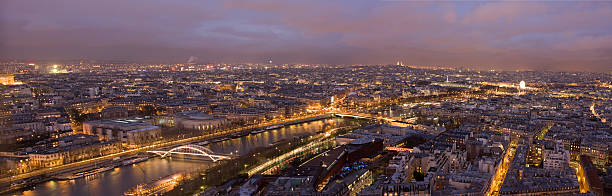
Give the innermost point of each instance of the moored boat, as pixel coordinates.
(158, 187)
(135, 160)
(83, 173)
(274, 127)
(258, 131)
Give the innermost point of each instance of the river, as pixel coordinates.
(120, 179)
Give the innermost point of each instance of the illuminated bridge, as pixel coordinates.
(362, 115)
(193, 150)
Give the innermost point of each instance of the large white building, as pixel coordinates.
(196, 120)
(556, 157)
(130, 132)
(70, 149)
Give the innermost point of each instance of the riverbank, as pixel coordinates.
(261, 159)
(17, 182)
(120, 179)
(67, 173)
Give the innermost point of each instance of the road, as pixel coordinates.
(145, 148)
(67, 167)
(500, 174)
(120, 179)
(315, 142)
(592, 108)
(584, 186)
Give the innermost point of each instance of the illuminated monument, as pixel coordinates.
(7, 80)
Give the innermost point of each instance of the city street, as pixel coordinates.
(500, 174)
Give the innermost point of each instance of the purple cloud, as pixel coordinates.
(501, 35)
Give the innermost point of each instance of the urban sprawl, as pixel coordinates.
(405, 130)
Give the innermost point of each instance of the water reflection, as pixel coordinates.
(118, 180)
(244, 144)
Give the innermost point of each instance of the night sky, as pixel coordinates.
(510, 35)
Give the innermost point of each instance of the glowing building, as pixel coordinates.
(7, 79)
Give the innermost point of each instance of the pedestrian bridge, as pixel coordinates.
(364, 116)
(193, 150)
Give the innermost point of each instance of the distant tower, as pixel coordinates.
(447, 79)
(239, 87)
(269, 60)
(192, 60)
(522, 87)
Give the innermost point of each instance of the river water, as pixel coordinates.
(120, 179)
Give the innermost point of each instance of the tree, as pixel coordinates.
(148, 110)
(418, 176)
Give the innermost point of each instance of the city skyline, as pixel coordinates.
(308, 98)
(503, 35)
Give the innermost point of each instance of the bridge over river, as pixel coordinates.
(120, 179)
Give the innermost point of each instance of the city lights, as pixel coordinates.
(277, 98)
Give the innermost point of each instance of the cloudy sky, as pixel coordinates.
(537, 35)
